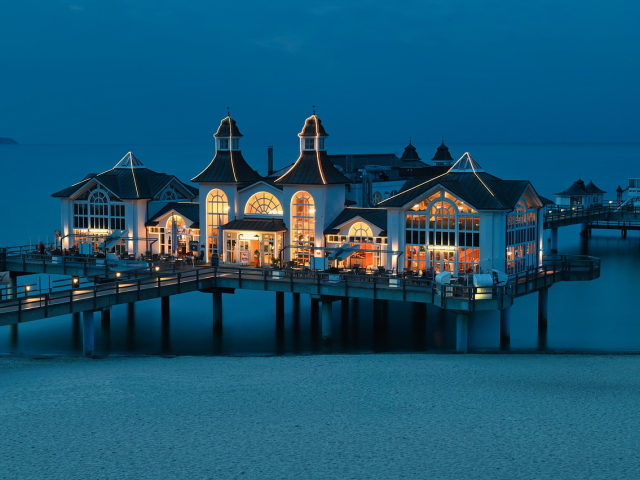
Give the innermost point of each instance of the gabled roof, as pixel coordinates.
(188, 210)
(268, 182)
(129, 179)
(466, 180)
(257, 224)
(591, 188)
(374, 216)
(228, 166)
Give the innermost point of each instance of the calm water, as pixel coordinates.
(602, 315)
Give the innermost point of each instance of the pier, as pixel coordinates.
(99, 293)
(608, 217)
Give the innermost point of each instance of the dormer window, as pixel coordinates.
(321, 144)
(309, 143)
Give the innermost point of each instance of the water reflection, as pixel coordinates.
(579, 319)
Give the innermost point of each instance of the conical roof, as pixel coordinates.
(313, 167)
(228, 166)
(442, 153)
(313, 128)
(228, 128)
(466, 163)
(129, 161)
(410, 153)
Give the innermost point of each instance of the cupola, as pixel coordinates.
(312, 135)
(442, 155)
(228, 135)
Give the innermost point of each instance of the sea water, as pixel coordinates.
(598, 316)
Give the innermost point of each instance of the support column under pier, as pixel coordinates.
(505, 328)
(105, 329)
(88, 334)
(584, 229)
(419, 326)
(462, 320)
(314, 305)
(279, 311)
(327, 316)
(216, 297)
(554, 240)
(543, 305)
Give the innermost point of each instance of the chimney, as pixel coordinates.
(269, 160)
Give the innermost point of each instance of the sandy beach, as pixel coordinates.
(336, 416)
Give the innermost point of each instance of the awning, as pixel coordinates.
(112, 239)
(343, 252)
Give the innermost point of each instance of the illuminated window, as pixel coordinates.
(302, 227)
(442, 233)
(522, 253)
(263, 203)
(95, 209)
(217, 212)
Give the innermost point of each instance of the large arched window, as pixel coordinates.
(360, 232)
(522, 253)
(97, 210)
(303, 226)
(443, 234)
(263, 203)
(217, 215)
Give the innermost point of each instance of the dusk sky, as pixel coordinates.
(164, 71)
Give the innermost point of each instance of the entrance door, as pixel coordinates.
(244, 252)
(442, 260)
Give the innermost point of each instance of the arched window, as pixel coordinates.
(360, 232)
(442, 233)
(263, 203)
(169, 194)
(303, 227)
(99, 210)
(376, 198)
(217, 215)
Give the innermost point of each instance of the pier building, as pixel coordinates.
(448, 234)
(108, 211)
(452, 216)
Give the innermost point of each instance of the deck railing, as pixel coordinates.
(66, 291)
(567, 215)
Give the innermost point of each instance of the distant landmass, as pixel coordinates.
(7, 141)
